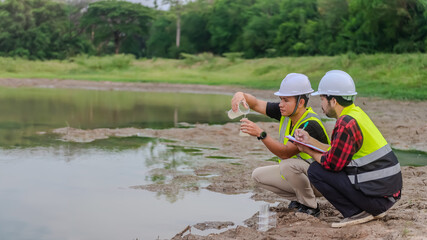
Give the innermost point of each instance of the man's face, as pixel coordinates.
(327, 107)
(287, 105)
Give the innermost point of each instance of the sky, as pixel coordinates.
(150, 3)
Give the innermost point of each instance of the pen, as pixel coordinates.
(305, 125)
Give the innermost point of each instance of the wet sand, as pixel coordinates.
(401, 122)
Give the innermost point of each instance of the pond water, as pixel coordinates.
(26, 111)
(411, 157)
(71, 193)
(55, 190)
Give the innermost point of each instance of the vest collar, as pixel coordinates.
(302, 118)
(304, 115)
(347, 109)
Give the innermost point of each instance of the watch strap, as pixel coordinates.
(262, 136)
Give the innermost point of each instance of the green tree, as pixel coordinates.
(386, 25)
(195, 32)
(162, 36)
(176, 7)
(332, 36)
(299, 23)
(413, 26)
(194, 37)
(226, 24)
(261, 29)
(115, 22)
(36, 29)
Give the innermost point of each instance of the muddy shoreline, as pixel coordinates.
(401, 122)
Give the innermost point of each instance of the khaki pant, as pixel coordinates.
(295, 186)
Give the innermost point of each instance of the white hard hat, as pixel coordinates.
(294, 84)
(336, 83)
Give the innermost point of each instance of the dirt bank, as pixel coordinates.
(402, 123)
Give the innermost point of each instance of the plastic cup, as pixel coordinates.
(241, 110)
(242, 134)
(233, 115)
(266, 219)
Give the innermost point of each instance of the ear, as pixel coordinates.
(301, 102)
(333, 102)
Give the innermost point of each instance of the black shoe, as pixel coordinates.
(294, 205)
(308, 210)
(353, 220)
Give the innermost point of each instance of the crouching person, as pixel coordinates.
(358, 174)
(288, 178)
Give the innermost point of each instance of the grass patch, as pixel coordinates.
(394, 76)
(111, 143)
(119, 143)
(237, 164)
(158, 178)
(220, 157)
(184, 149)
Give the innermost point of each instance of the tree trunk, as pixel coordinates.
(92, 33)
(117, 42)
(178, 29)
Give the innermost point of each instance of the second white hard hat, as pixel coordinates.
(294, 84)
(336, 83)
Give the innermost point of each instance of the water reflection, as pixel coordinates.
(26, 111)
(168, 160)
(83, 193)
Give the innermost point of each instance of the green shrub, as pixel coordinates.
(105, 63)
(233, 56)
(270, 52)
(191, 59)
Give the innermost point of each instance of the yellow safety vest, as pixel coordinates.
(285, 129)
(374, 169)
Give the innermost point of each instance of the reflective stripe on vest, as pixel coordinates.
(374, 168)
(370, 157)
(373, 175)
(285, 125)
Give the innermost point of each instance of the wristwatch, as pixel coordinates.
(262, 135)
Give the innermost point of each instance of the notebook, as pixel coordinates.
(292, 139)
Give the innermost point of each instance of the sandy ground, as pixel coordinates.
(401, 122)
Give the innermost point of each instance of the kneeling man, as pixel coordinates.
(359, 174)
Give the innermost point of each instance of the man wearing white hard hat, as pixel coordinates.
(359, 174)
(288, 178)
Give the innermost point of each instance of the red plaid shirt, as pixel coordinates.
(346, 140)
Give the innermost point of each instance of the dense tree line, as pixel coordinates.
(49, 29)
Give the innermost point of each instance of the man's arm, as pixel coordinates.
(347, 139)
(254, 103)
(277, 148)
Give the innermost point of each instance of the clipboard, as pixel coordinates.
(292, 139)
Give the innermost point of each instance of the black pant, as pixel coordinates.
(337, 188)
